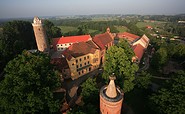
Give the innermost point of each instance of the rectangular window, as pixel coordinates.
(85, 63)
(61, 45)
(79, 73)
(77, 61)
(84, 58)
(87, 57)
(80, 65)
(88, 62)
(76, 66)
(80, 59)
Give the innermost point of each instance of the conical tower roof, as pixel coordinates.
(111, 88)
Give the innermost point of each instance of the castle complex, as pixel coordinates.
(76, 56)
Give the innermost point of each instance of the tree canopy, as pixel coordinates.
(118, 62)
(29, 84)
(90, 91)
(52, 31)
(170, 99)
(16, 36)
(160, 58)
(143, 80)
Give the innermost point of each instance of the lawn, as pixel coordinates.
(66, 29)
(153, 24)
(121, 28)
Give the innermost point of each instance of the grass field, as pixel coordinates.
(153, 24)
(121, 28)
(66, 29)
(104, 19)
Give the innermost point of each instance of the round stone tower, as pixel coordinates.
(111, 98)
(40, 35)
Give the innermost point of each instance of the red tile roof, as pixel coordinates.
(79, 49)
(129, 36)
(102, 40)
(60, 63)
(138, 50)
(70, 39)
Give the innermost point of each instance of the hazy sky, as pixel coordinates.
(30, 8)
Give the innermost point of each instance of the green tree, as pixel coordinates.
(179, 52)
(86, 109)
(119, 63)
(29, 84)
(82, 30)
(90, 97)
(127, 48)
(90, 93)
(17, 36)
(143, 80)
(52, 31)
(160, 58)
(171, 99)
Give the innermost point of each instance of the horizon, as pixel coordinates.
(48, 8)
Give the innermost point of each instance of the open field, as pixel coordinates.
(121, 28)
(153, 24)
(66, 29)
(104, 19)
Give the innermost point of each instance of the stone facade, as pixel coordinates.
(82, 58)
(40, 35)
(82, 65)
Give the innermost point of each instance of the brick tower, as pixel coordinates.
(40, 35)
(111, 98)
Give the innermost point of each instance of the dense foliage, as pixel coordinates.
(160, 58)
(171, 98)
(118, 61)
(90, 93)
(90, 97)
(29, 84)
(16, 36)
(143, 80)
(51, 30)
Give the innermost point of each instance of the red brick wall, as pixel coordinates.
(107, 107)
